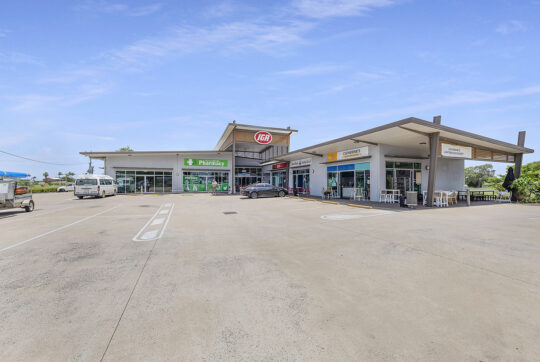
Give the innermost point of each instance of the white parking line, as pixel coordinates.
(34, 214)
(159, 221)
(57, 229)
(155, 227)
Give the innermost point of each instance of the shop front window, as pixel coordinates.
(349, 181)
(404, 176)
(301, 180)
(143, 181)
(278, 178)
(245, 176)
(201, 181)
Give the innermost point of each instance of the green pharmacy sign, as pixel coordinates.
(204, 163)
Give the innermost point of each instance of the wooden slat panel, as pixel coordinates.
(483, 154)
(249, 137)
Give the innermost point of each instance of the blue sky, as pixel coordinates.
(98, 75)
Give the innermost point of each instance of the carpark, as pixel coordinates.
(201, 277)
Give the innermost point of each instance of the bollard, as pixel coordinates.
(468, 197)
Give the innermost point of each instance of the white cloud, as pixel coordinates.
(33, 102)
(231, 37)
(512, 26)
(309, 70)
(460, 98)
(118, 8)
(70, 76)
(10, 57)
(319, 9)
(145, 10)
(220, 10)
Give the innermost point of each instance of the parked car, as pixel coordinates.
(263, 190)
(66, 188)
(94, 185)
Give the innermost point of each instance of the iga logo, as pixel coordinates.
(263, 137)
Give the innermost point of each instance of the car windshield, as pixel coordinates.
(86, 182)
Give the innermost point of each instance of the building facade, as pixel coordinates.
(194, 171)
(406, 155)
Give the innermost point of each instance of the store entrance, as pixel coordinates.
(301, 181)
(346, 181)
(404, 180)
(201, 181)
(145, 183)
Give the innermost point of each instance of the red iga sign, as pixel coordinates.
(263, 137)
(278, 166)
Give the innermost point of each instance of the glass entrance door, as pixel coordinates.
(346, 181)
(140, 183)
(404, 180)
(145, 183)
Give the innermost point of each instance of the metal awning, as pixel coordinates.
(103, 155)
(410, 133)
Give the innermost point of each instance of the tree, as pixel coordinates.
(60, 174)
(125, 149)
(45, 174)
(475, 176)
(69, 176)
(532, 169)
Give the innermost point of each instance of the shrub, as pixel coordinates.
(527, 189)
(43, 188)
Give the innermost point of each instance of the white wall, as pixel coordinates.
(450, 174)
(174, 162)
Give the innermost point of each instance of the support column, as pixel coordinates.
(433, 151)
(233, 160)
(518, 157)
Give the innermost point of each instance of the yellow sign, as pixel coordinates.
(332, 156)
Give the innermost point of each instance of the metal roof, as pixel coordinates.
(408, 132)
(98, 155)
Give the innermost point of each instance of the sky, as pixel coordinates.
(95, 75)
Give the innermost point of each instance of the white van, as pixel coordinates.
(94, 185)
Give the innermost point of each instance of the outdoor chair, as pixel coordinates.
(504, 196)
(452, 197)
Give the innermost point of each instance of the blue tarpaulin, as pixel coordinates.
(13, 174)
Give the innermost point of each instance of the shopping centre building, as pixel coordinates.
(406, 155)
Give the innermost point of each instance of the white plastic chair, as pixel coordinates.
(384, 196)
(504, 196)
(444, 199)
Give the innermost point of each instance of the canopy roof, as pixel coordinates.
(411, 133)
(103, 155)
(249, 147)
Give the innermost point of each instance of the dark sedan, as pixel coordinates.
(263, 190)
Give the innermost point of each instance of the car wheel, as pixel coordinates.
(281, 193)
(253, 195)
(103, 195)
(30, 207)
(80, 197)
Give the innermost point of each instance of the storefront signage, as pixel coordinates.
(344, 155)
(448, 150)
(263, 137)
(302, 162)
(279, 166)
(205, 162)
